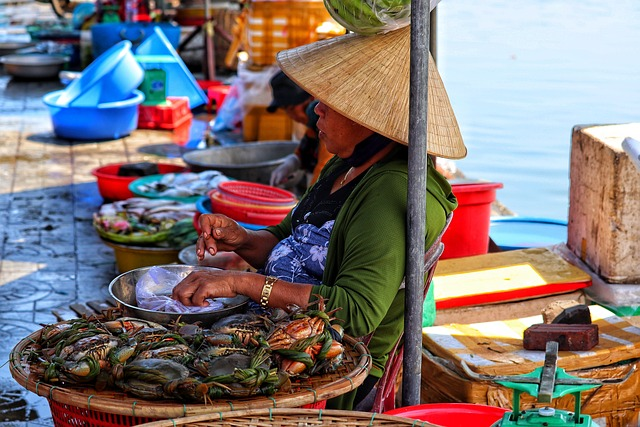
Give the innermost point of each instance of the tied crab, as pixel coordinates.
(158, 379)
(238, 329)
(308, 342)
(303, 325)
(244, 376)
(82, 357)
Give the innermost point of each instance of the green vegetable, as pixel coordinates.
(182, 234)
(369, 17)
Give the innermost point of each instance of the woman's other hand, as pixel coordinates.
(200, 285)
(219, 232)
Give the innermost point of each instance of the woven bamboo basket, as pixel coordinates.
(288, 417)
(123, 409)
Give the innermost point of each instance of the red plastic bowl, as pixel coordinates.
(113, 187)
(452, 414)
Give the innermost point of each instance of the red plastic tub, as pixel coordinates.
(452, 414)
(468, 233)
(114, 187)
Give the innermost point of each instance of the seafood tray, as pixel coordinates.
(120, 408)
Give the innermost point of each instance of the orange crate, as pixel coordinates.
(260, 125)
(275, 25)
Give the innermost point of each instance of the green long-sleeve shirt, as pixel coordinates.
(367, 250)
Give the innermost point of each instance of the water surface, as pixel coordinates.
(521, 74)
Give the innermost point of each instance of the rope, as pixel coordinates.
(351, 381)
(133, 408)
(315, 395)
(51, 391)
(230, 404)
(37, 384)
(270, 414)
(173, 422)
(89, 401)
(184, 409)
(373, 416)
(275, 405)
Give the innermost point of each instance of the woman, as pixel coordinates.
(346, 239)
(310, 156)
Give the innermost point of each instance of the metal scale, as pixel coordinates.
(545, 383)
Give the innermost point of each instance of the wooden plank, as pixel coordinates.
(495, 348)
(505, 276)
(82, 309)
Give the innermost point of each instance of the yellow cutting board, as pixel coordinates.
(495, 348)
(505, 276)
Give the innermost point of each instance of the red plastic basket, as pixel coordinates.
(255, 193)
(65, 415)
(252, 214)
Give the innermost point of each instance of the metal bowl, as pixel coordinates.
(123, 290)
(7, 48)
(33, 65)
(221, 260)
(248, 161)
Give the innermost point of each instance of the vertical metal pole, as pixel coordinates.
(416, 209)
(433, 33)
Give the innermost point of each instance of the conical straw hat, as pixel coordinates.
(366, 78)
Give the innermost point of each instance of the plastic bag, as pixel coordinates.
(254, 88)
(368, 17)
(153, 292)
(229, 115)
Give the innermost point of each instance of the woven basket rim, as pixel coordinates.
(120, 403)
(352, 418)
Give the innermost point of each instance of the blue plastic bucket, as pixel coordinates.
(110, 120)
(105, 35)
(511, 233)
(111, 77)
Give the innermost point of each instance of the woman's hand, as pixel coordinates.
(200, 285)
(219, 232)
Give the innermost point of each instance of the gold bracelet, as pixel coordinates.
(269, 281)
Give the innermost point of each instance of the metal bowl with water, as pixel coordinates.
(33, 65)
(123, 290)
(248, 161)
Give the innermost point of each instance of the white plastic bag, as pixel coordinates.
(153, 292)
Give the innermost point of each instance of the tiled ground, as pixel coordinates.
(50, 255)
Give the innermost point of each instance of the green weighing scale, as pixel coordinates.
(545, 384)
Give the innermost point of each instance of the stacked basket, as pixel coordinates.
(251, 202)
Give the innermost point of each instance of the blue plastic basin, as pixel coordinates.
(113, 76)
(511, 233)
(109, 120)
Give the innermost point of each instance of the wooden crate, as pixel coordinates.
(273, 26)
(612, 405)
(604, 202)
(495, 348)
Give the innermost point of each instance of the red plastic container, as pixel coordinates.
(253, 192)
(174, 112)
(114, 187)
(247, 212)
(452, 414)
(468, 233)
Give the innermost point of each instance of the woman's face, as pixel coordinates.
(339, 133)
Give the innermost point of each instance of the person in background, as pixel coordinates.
(346, 240)
(311, 154)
